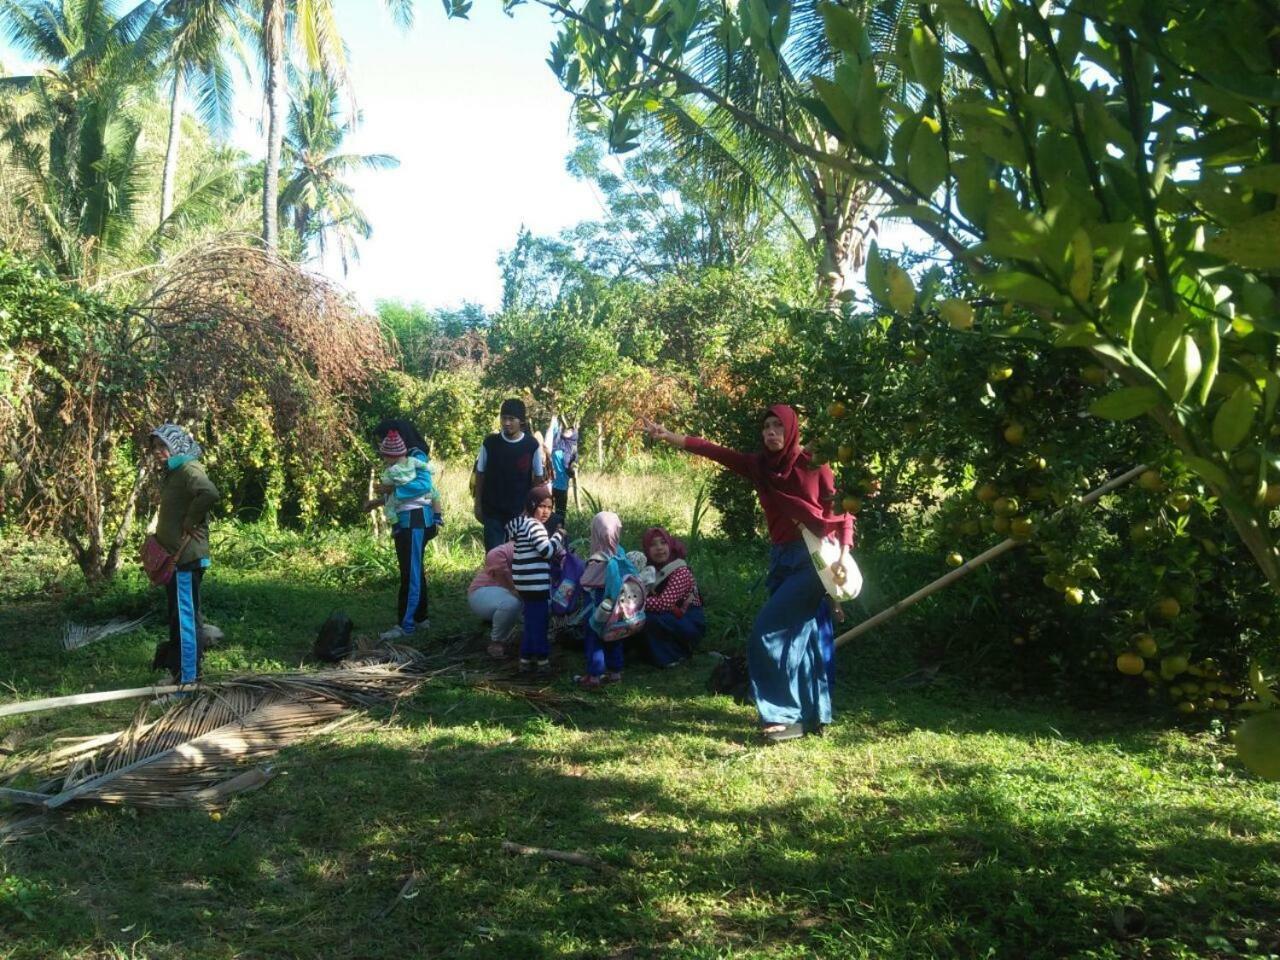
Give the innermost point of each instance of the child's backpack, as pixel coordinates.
(333, 642)
(566, 585)
(621, 613)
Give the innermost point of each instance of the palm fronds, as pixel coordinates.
(77, 635)
(207, 746)
(199, 745)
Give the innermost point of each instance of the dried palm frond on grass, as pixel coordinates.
(198, 751)
(77, 635)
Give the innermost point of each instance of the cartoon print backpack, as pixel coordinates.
(566, 586)
(621, 613)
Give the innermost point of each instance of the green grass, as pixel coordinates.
(941, 821)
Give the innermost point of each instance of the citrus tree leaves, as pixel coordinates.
(1254, 243)
(1183, 369)
(1126, 403)
(926, 57)
(1023, 288)
(927, 160)
(1234, 419)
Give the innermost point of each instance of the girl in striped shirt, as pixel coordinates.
(531, 574)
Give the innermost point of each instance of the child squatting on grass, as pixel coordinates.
(791, 639)
(603, 658)
(492, 597)
(531, 575)
(408, 501)
(674, 623)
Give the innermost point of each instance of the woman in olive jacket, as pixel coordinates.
(186, 496)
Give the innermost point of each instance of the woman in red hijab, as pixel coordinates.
(785, 652)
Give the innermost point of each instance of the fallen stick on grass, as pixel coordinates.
(406, 893)
(577, 859)
(983, 558)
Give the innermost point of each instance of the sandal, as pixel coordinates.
(588, 682)
(780, 733)
(497, 650)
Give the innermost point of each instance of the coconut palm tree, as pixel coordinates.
(770, 78)
(203, 36)
(316, 197)
(315, 29)
(71, 129)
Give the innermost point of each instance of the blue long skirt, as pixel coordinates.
(788, 654)
(669, 639)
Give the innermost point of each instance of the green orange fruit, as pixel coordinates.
(1094, 374)
(957, 313)
(995, 374)
(1151, 481)
(1258, 744)
(1005, 506)
(1130, 664)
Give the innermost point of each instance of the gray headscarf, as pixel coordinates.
(179, 442)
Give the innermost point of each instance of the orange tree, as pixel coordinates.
(1108, 167)
(975, 439)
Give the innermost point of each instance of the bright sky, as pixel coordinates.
(481, 129)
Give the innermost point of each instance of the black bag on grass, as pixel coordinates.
(333, 643)
(731, 678)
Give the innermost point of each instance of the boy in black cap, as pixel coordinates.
(509, 465)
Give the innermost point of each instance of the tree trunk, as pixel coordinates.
(116, 552)
(273, 46)
(600, 445)
(833, 237)
(171, 151)
(837, 203)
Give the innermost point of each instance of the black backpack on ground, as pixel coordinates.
(731, 678)
(333, 642)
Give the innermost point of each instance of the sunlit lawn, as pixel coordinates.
(934, 821)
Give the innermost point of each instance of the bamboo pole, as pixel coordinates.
(80, 699)
(981, 559)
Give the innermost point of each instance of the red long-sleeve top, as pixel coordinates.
(671, 594)
(818, 486)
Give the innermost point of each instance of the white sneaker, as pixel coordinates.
(393, 635)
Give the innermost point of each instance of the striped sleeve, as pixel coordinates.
(530, 570)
